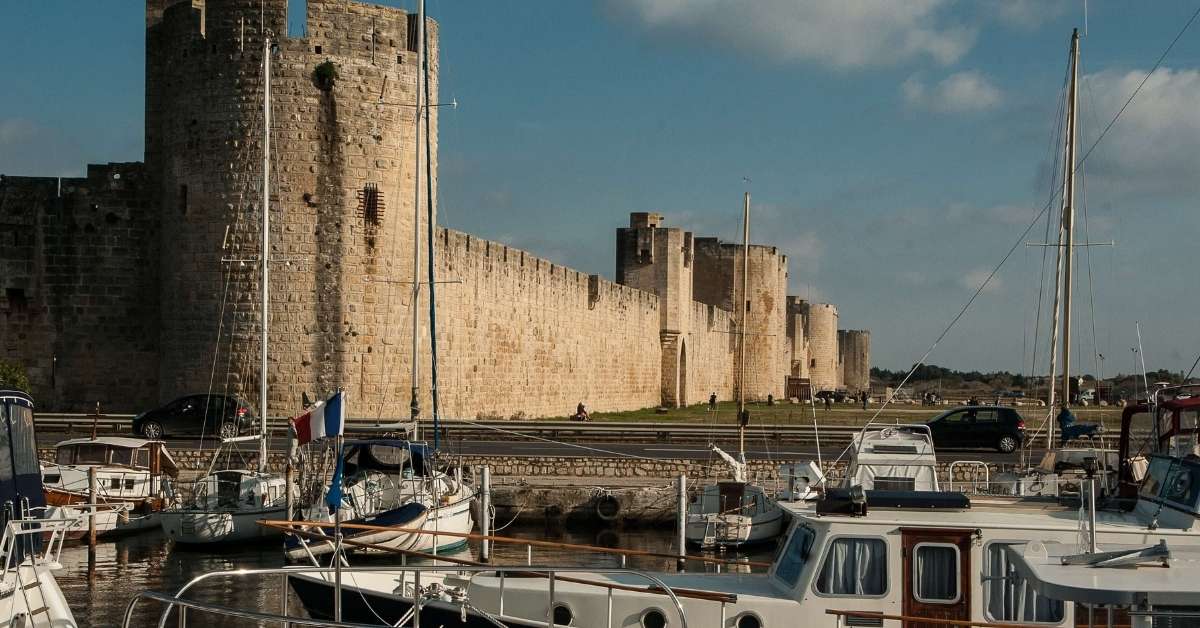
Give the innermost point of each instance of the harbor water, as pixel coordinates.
(100, 583)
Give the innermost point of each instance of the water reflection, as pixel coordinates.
(99, 584)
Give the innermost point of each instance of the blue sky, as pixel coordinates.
(896, 149)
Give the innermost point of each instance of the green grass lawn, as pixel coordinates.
(839, 414)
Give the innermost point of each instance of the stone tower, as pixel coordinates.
(658, 260)
(717, 280)
(342, 196)
(820, 328)
(854, 354)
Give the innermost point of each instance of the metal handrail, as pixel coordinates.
(658, 587)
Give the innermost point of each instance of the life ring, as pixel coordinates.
(607, 507)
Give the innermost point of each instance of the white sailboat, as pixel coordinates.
(227, 504)
(735, 512)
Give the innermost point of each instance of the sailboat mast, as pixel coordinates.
(1069, 219)
(415, 404)
(743, 306)
(266, 244)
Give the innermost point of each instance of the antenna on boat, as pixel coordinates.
(415, 403)
(266, 242)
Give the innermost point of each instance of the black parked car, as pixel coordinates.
(979, 426)
(225, 416)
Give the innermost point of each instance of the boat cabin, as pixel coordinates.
(125, 467)
(239, 488)
(1173, 426)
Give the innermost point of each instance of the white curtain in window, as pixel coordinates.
(854, 567)
(936, 573)
(1010, 598)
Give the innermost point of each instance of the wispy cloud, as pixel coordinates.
(961, 92)
(1150, 152)
(842, 35)
(972, 279)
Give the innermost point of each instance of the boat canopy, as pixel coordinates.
(387, 455)
(897, 458)
(1052, 570)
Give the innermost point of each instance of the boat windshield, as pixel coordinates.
(1174, 480)
(794, 555)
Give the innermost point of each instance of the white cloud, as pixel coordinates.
(1027, 14)
(14, 130)
(843, 35)
(961, 92)
(1151, 150)
(972, 279)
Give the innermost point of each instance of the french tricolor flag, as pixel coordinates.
(324, 418)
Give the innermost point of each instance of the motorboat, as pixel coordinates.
(134, 480)
(31, 542)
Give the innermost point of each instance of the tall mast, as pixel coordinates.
(431, 231)
(415, 404)
(266, 244)
(1069, 219)
(742, 305)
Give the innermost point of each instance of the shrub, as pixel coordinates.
(13, 376)
(325, 75)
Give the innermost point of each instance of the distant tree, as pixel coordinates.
(13, 376)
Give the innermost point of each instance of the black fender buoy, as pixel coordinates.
(607, 507)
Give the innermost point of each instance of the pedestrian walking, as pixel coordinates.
(863, 394)
(712, 402)
(828, 402)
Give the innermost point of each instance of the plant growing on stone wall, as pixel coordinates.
(12, 376)
(325, 75)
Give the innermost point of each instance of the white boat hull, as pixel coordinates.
(453, 517)
(715, 530)
(23, 607)
(202, 527)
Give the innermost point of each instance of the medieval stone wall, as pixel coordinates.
(141, 283)
(77, 303)
(520, 334)
(711, 347)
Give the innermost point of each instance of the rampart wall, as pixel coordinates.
(711, 346)
(520, 332)
(77, 298)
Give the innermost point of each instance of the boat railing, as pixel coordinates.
(976, 468)
(312, 531)
(410, 586)
(20, 535)
(1110, 615)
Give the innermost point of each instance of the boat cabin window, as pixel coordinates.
(884, 483)
(91, 454)
(1007, 597)
(65, 455)
(936, 573)
(1174, 480)
(795, 555)
(854, 566)
(142, 457)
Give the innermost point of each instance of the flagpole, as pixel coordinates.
(337, 558)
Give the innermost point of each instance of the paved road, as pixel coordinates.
(657, 451)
